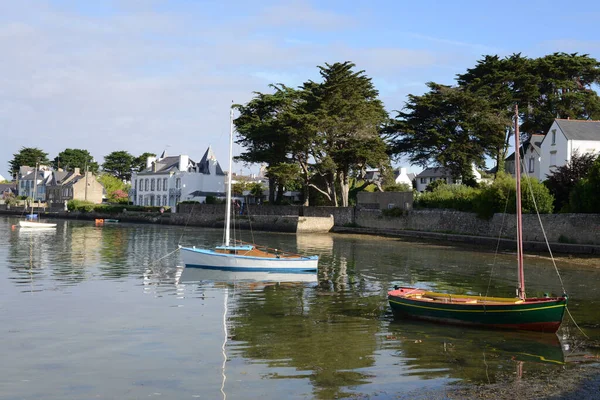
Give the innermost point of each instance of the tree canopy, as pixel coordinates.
(69, 159)
(558, 85)
(27, 156)
(323, 131)
(447, 127)
(119, 164)
(139, 163)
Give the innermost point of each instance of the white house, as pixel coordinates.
(28, 180)
(401, 176)
(531, 157)
(440, 173)
(565, 138)
(167, 180)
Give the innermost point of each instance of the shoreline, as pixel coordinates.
(583, 254)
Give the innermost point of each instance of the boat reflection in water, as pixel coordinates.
(471, 355)
(230, 276)
(249, 280)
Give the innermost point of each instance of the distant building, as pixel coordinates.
(28, 180)
(531, 157)
(429, 175)
(8, 189)
(2, 179)
(400, 176)
(72, 185)
(167, 180)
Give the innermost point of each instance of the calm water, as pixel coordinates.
(107, 312)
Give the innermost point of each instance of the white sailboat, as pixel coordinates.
(242, 256)
(31, 220)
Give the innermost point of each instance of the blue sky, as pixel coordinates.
(149, 75)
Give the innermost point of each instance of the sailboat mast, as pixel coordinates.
(521, 290)
(228, 201)
(34, 188)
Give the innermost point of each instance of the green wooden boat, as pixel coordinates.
(534, 314)
(522, 313)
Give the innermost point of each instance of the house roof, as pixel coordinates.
(579, 129)
(372, 175)
(204, 164)
(436, 172)
(534, 143)
(163, 165)
(58, 177)
(410, 175)
(199, 193)
(5, 187)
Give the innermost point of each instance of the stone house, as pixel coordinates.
(73, 185)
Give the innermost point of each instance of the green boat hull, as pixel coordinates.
(541, 314)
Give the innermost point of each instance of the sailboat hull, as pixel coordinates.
(36, 225)
(533, 314)
(203, 258)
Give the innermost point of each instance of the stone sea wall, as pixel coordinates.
(559, 228)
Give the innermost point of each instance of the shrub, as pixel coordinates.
(398, 187)
(457, 197)
(584, 197)
(488, 200)
(500, 196)
(80, 205)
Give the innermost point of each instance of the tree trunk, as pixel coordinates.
(344, 186)
(306, 185)
(271, 190)
(279, 197)
(332, 191)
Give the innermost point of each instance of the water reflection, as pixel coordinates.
(471, 355)
(325, 336)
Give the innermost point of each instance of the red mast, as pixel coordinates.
(521, 290)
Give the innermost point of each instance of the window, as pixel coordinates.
(531, 165)
(158, 182)
(165, 200)
(553, 137)
(553, 158)
(135, 184)
(178, 183)
(423, 180)
(165, 184)
(146, 185)
(152, 184)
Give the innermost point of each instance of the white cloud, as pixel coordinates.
(137, 80)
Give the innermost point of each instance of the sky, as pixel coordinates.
(154, 76)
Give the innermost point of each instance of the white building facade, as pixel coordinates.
(168, 180)
(30, 180)
(566, 138)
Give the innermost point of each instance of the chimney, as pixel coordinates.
(183, 162)
(149, 161)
